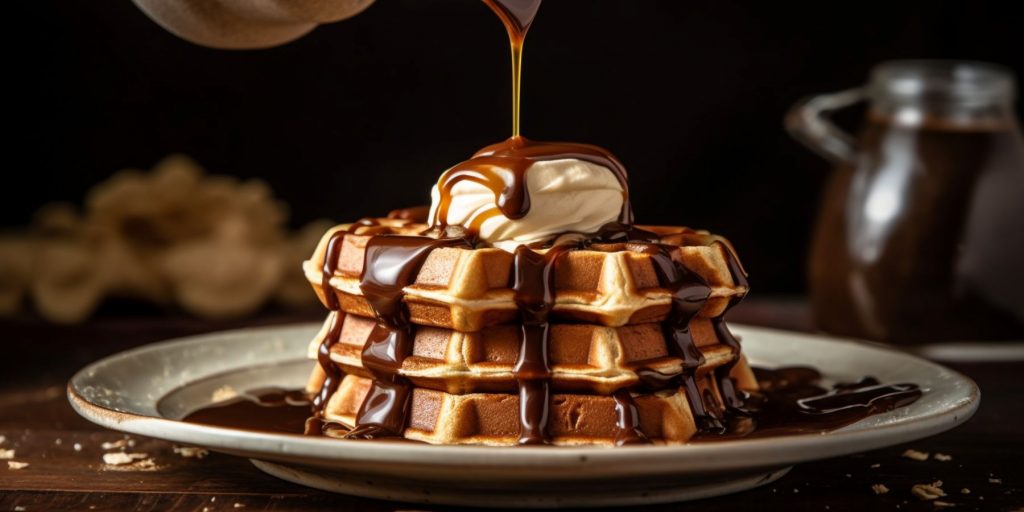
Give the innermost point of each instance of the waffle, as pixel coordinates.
(468, 290)
(611, 367)
(439, 417)
(584, 358)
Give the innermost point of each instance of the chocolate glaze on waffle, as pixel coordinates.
(391, 264)
(628, 420)
(534, 294)
(333, 373)
(689, 293)
(732, 397)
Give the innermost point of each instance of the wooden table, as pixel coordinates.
(66, 470)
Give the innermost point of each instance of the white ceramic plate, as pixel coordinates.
(122, 392)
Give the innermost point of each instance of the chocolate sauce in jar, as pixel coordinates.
(931, 264)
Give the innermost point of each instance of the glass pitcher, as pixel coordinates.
(920, 235)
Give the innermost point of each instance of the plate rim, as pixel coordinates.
(628, 460)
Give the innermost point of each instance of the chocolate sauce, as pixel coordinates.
(920, 240)
(268, 410)
(627, 420)
(517, 16)
(792, 401)
(534, 287)
(391, 264)
(689, 293)
(332, 372)
(733, 398)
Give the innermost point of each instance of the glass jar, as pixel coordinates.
(920, 236)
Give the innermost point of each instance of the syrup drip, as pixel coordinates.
(517, 16)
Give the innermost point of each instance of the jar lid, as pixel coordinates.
(968, 83)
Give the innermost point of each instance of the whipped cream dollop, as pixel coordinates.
(566, 195)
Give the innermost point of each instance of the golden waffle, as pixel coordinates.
(583, 358)
(468, 289)
(438, 417)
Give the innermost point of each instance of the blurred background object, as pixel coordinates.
(212, 245)
(244, 24)
(921, 235)
(359, 117)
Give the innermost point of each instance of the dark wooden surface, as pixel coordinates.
(987, 453)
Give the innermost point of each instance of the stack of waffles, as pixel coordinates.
(619, 364)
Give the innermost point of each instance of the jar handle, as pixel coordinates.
(808, 123)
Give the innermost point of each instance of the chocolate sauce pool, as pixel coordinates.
(276, 410)
(792, 401)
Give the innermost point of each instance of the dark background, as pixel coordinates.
(361, 116)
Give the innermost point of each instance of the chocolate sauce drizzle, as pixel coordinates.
(332, 373)
(391, 264)
(732, 396)
(689, 293)
(534, 287)
(627, 420)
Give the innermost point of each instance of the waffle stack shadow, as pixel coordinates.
(616, 371)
